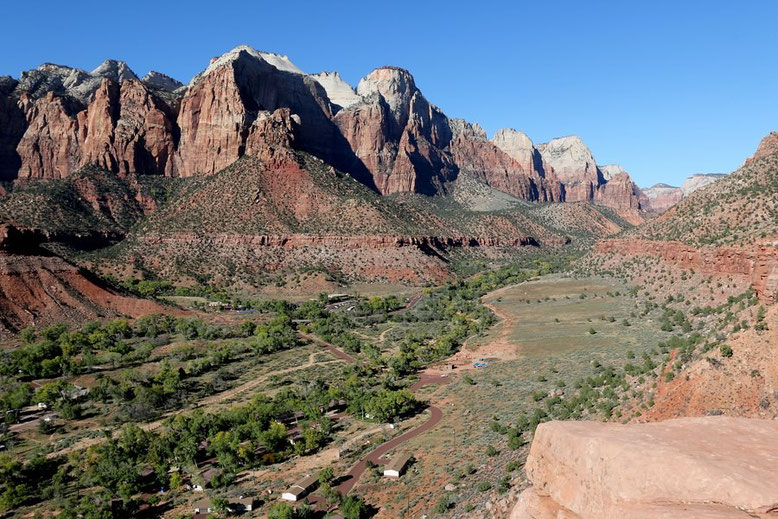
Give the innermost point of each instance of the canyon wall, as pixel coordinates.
(759, 261)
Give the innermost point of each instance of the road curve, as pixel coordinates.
(353, 475)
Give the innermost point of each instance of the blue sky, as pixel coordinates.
(666, 89)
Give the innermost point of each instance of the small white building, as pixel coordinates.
(396, 466)
(204, 506)
(300, 489)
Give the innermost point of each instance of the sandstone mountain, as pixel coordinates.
(57, 119)
(278, 210)
(662, 197)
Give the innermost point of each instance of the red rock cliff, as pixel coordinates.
(759, 261)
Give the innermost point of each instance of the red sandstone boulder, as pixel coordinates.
(688, 467)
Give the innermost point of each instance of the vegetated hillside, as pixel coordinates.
(91, 202)
(738, 209)
(289, 211)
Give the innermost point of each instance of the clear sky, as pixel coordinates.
(664, 88)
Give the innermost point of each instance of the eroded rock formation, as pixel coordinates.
(384, 133)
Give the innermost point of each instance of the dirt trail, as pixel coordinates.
(499, 347)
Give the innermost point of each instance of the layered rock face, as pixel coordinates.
(396, 135)
(124, 129)
(716, 467)
(520, 148)
(37, 288)
(475, 154)
(127, 131)
(384, 133)
(696, 182)
(573, 165)
(661, 197)
(12, 127)
(759, 262)
(571, 162)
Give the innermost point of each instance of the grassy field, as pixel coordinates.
(555, 315)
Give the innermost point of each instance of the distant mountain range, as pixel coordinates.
(662, 197)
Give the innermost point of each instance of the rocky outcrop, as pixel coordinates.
(12, 127)
(662, 197)
(698, 181)
(573, 165)
(759, 262)
(473, 153)
(767, 146)
(520, 148)
(340, 93)
(571, 162)
(396, 135)
(49, 147)
(126, 130)
(684, 468)
(619, 192)
(161, 81)
(222, 103)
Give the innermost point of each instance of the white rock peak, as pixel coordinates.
(570, 157)
(698, 181)
(515, 144)
(394, 84)
(279, 61)
(339, 92)
(611, 170)
(115, 70)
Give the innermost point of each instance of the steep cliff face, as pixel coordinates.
(571, 162)
(222, 103)
(768, 146)
(12, 127)
(396, 135)
(520, 148)
(384, 133)
(49, 147)
(124, 130)
(619, 192)
(127, 131)
(573, 165)
(515, 173)
(662, 197)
